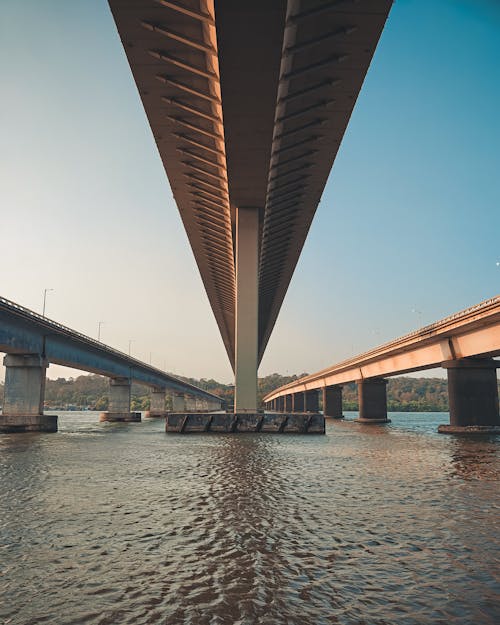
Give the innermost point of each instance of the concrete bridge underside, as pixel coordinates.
(248, 103)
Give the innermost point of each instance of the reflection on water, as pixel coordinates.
(119, 523)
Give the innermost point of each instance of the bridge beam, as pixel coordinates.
(472, 396)
(24, 392)
(332, 402)
(246, 321)
(298, 402)
(119, 402)
(372, 397)
(311, 401)
(156, 403)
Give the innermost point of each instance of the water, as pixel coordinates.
(377, 525)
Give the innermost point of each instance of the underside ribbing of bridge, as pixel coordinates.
(248, 102)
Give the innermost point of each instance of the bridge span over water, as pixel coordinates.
(31, 342)
(248, 102)
(464, 344)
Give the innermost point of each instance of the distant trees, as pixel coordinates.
(91, 391)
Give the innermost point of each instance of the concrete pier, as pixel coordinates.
(156, 404)
(178, 402)
(332, 402)
(473, 397)
(372, 396)
(119, 402)
(298, 402)
(24, 394)
(228, 423)
(311, 401)
(288, 403)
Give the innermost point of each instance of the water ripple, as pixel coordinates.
(123, 524)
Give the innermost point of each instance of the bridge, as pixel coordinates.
(31, 342)
(248, 103)
(464, 344)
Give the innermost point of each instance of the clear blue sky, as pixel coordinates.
(409, 221)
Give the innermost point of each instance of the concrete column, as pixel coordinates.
(311, 401)
(24, 394)
(190, 402)
(473, 396)
(332, 402)
(178, 402)
(247, 252)
(298, 402)
(119, 402)
(157, 403)
(281, 403)
(372, 397)
(288, 403)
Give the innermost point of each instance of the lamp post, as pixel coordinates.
(45, 291)
(419, 313)
(99, 324)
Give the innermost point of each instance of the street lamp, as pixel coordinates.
(100, 323)
(45, 291)
(419, 313)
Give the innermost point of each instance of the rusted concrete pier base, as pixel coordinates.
(117, 417)
(184, 423)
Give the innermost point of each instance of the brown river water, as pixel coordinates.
(370, 525)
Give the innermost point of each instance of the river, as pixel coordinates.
(369, 525)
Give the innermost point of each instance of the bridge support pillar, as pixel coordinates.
(119, 402)
(473, 397)
(311, 401)
(24, 394)
(178, 402)
(332, 402)
(156, 403)
(298, 402)
(247, 306)
(288, 403)
(190, 402)
(372, 397)
(281, 403)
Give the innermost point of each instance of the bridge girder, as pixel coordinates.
(248, 103)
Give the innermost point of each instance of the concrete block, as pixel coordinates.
(10, 424)
(245, 423)
(120, 417)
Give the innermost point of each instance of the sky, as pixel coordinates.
(407, 231)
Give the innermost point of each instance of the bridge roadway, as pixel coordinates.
(464, 344)
(31, 341)
(248, 101)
